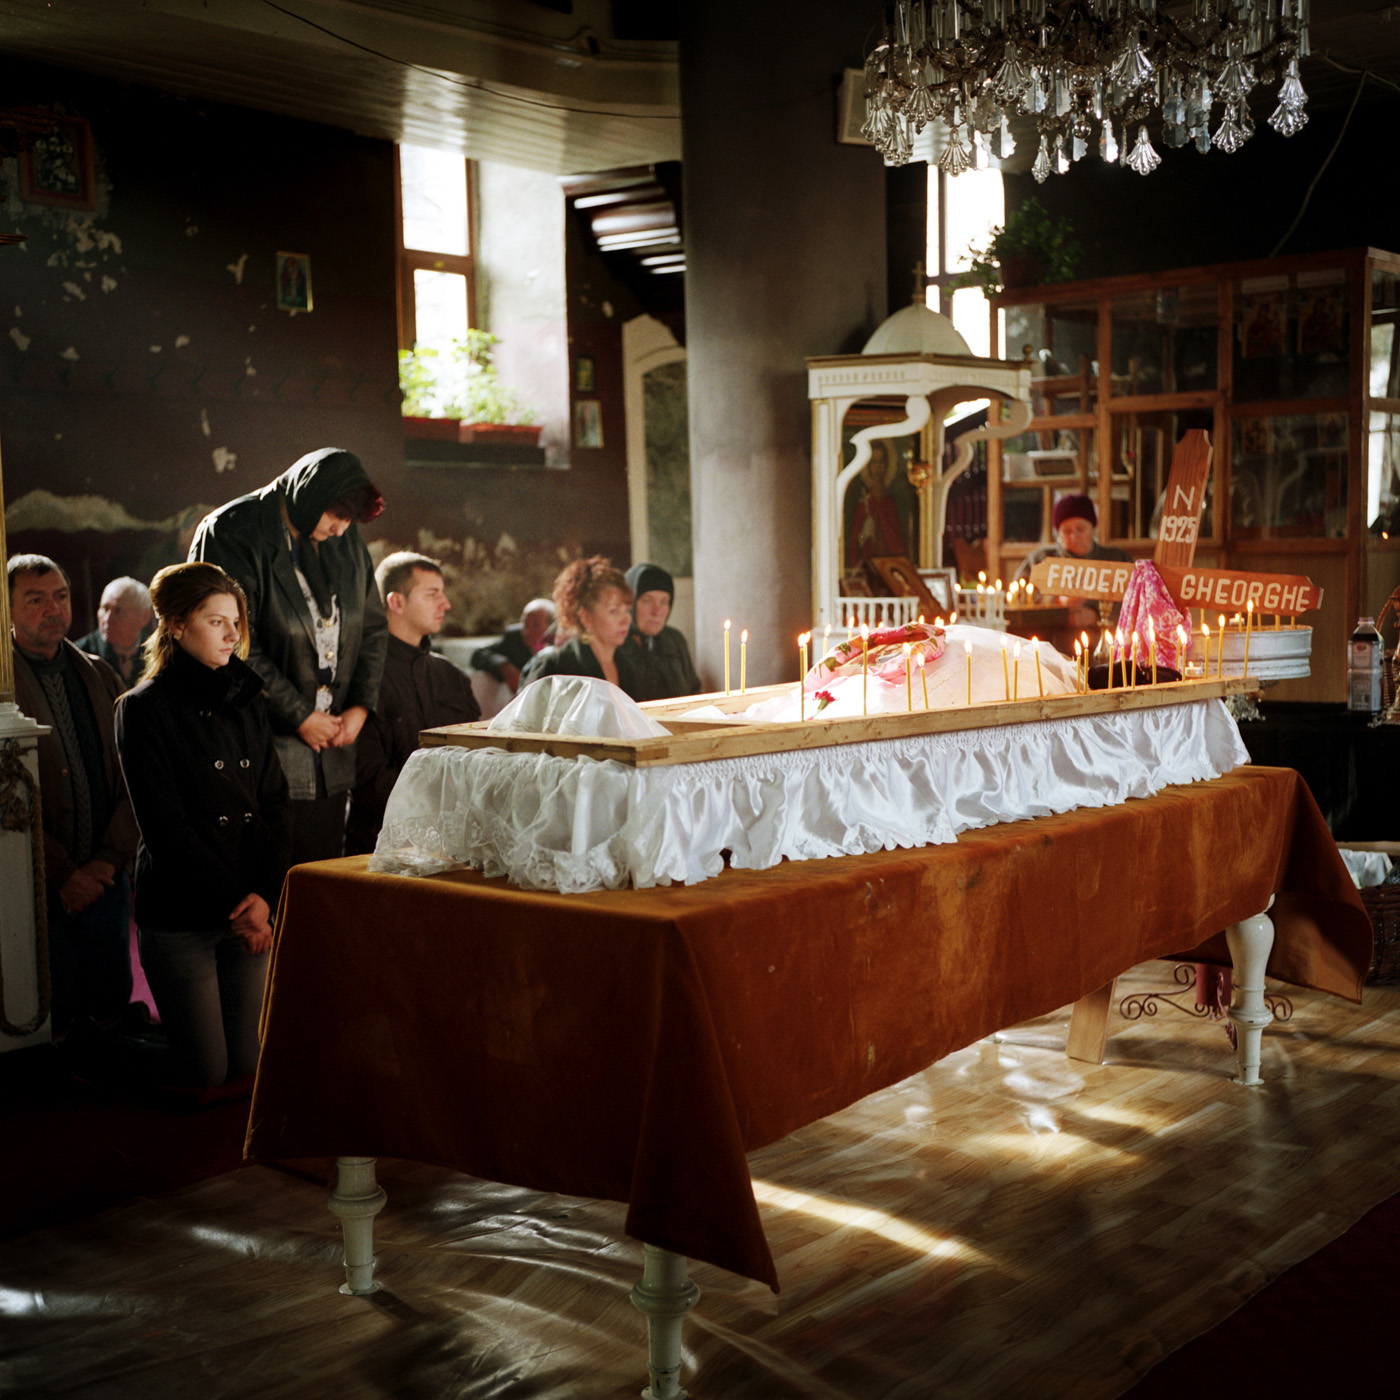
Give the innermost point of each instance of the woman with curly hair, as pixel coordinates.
(211, 801)
(593, 614)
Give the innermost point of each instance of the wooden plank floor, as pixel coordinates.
(1007, 1223)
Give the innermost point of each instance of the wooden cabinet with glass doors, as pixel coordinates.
(1293, 367)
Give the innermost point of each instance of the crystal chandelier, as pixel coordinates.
(1077, 66)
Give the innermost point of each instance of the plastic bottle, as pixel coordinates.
(1364, 668)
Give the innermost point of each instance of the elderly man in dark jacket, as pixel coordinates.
(317, 623)
(90, 831)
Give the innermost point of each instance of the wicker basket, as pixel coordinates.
(1383, 905)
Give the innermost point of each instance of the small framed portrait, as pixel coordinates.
(1256, 437)
(58, 171)
(583, 374)
(1262, 325)
(904, 581)
(293, 282)
(588, 423)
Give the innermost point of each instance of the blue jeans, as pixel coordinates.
(90, 956)
(208, 992)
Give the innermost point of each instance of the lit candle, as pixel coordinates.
(726, 656)
(967, 647)
(1205, 649)
(864, 665)
(1039, 684)
(1016, 670)
(1084, 637)
(1122, 643)
(1220, 655)
(744, 661)
(1248, 628)
(923, 679)
(1005, 670)
(1152, 648)
(1183, 649)
(1078, 656)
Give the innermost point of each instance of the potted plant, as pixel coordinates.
(458, 394)
(490, 412)
(1028, 250)
(422, 409)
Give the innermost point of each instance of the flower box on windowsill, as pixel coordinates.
(443, 429)
(522, 434)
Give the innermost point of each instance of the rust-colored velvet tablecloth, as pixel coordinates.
(633, 1045)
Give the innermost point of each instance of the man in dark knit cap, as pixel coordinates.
(668, 669)
(317, 625)
(1075, 520)
(90, 832)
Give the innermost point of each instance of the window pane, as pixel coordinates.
(1165, 340)
(434, 200)
(976, 205)
(440, 308)
(1289, 477)
(1292, 342)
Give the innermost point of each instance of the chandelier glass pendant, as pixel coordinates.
(1080, 68)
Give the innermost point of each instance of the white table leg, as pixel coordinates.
(1250, 942)
(357, 1199)
(664, 1295)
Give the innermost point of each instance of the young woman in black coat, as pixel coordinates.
(211, 801)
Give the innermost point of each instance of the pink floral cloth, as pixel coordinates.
(886, 655)
(1149, 599)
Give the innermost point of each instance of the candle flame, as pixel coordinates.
(967, 646)
(921, 660)
(1016, 650)
(952, 617)
(726, 624)
(981, 576)
(744, 635)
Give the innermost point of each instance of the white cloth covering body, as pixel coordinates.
(576, 824)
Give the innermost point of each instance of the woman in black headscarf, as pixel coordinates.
(667, 666)
(317, 624)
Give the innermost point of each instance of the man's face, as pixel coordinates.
(120, 619)
(41, 610)
(533, 626)
(1076, 535)
(425, 603)
(653, 608)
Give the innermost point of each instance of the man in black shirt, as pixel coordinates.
(420, 690)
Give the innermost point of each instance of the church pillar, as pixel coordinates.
(785, 258)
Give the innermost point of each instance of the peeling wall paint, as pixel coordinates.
(42, 510)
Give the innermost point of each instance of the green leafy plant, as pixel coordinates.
(1031, 246)
(461, 383)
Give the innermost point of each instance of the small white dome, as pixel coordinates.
(916, 330)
